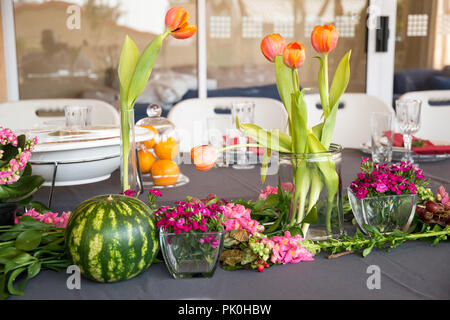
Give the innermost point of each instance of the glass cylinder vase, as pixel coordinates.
(129, 165)
(316, 199)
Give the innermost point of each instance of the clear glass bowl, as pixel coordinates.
(191, 254)
(386, 213)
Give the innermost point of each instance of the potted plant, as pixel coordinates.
(17, 183)
(191, 237)
(384, 196)
(308, 159)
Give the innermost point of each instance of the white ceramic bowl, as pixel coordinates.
(80, 159)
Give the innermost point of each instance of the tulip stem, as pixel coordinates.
(325, 78)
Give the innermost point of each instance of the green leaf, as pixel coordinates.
(39, 207)
(11, 280)
(340, 80)
(271, 201)
(312, 217)
(30, 222)
(33, 270)
(128, 60)
(285, 83)
(270, 140)
(368, 250)
(316, 187)
(28, 240)
(28, 170)
(8, 254)
(265, 164)
(144, 68)
(21, 189)
(3, 293)
(299, 122)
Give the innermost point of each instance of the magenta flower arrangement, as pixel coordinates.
(377, 179)
(186, 216)
(191, 237)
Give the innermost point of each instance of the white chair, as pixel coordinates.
(36, 113)
(352, 127)
(435, 114)
(190, 116)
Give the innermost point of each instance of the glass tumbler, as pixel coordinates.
(382, 133)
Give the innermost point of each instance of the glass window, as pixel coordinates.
(422, 48)
(237, 27)
(71, 48)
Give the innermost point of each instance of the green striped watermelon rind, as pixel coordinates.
(103, 251)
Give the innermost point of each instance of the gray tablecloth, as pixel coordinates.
(414, 270)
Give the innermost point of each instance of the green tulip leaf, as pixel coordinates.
(144, 68)
(285, 83)
(128, 60)
(340, 80)
(271, 140)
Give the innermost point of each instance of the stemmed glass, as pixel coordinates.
(408, 119)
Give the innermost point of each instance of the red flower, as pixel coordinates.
(324, 38)
(177, 21)
(272, 45)
(294, 55)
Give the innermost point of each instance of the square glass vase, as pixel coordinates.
(191, 254)
(386, 213)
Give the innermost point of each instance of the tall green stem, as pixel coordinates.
(326, 84)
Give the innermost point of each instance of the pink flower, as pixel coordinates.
(59, 221)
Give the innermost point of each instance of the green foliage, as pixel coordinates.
(376, 239)
(26, 249)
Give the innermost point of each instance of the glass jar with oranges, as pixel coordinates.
(159, 157)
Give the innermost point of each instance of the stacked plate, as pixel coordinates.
(72, 157)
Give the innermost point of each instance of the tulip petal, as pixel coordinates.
(185, 32)
(204, 157)
(176, 17)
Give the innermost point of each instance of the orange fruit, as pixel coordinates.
(146, 160)
(150, 143)
(165, 172)
(166, 149)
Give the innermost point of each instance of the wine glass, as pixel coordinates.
(408, 119)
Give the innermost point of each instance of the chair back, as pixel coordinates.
(352, 127)
(190, 116)
(27, 114)
(435, 114)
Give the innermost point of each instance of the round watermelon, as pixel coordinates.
(111, 237)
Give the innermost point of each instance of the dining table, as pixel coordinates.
(413, 270)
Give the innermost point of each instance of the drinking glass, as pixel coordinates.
(245, 112)
(408, 119)
(78, 116)
(218, 128)
(382, 133)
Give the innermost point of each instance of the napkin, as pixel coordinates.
(428, 148)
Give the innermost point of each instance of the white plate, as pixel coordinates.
(81, 158)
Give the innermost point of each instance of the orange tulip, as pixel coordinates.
(272, 45)
(294, 54)
(204, 157)
(177, 21)
(324, 38)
